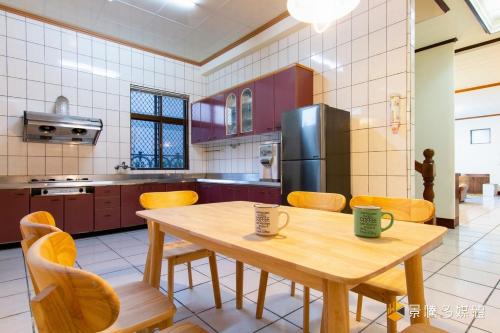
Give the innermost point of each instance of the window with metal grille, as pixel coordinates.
(158, 130)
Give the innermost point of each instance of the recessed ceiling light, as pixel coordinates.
(488, 14)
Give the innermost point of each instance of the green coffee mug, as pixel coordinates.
(367, 221)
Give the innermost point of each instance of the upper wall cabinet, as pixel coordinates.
(252, 108)
(246, 95)
(231, 113)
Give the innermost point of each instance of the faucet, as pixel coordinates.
(122, 165)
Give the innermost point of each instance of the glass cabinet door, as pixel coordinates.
(230, 115)
(246, 109)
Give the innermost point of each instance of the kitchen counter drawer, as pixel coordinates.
(108, 218)
(107, 191)
(107, 202)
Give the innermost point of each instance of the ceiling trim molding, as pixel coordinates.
(444, 7)
(473, 46)
(448, 41)
(481, 116)
(243, 39)
(92, 33)
(484, 86)
(124, 42)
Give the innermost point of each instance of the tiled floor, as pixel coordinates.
(464, 272)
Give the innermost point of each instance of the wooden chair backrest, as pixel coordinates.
(33, 227)
(155, 200)
(403, 209)
(333, 202)
(71, 300)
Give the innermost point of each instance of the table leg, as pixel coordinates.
(155, 256)
(336, 307)
(239, 284)
(415, 286)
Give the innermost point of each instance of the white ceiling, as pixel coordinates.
(458, 22)
(193, 33)
(477, 102)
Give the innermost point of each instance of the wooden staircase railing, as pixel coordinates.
(428, 171)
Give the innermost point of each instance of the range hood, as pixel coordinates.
(60, 128)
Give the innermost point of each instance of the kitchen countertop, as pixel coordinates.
(132, 179)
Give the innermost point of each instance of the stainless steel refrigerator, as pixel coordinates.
(315, 150)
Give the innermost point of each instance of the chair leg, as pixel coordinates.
(359, 307)
(262, 294)
(306, 309)
(239, 284)
(392, 326)
(215, 280)
(292, 289)
(190, 275)
(170, 279)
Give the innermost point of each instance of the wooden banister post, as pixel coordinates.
(428, 171)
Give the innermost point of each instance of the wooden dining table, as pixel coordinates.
(317, 249)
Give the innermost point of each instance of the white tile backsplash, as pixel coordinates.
(358, 63)
(39, 62)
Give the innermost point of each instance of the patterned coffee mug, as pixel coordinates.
(368, 221)
(267, 218)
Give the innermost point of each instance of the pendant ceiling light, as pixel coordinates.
(320, 13)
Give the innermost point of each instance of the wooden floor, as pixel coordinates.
(465, 270)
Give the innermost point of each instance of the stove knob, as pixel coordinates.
(81, 190)
(45, 191)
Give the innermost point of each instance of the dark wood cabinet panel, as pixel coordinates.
(264, 105)
(129, 198)
(108, 218)
(264, 194)
(234, 193)
(79, 213)
(189, 186)
(14, 204)
(107, 202)
(217, 114)
(196, 124)
(209, 193)
(54, 204)
(293, 88)
(272, 95)
(107, 191)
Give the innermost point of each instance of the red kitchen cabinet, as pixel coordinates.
(107, 208)
(188, 186)
(217, 114)
(54, 204)
(246, 106)
(293, 88)
(264, 194)
(264, 105)
(129, 199)
(231, 113)
(14, 204)
(209, 193)
(196, 124)
(206, 133)
(79, 213)
(234, 193)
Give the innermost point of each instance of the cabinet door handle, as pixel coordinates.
(55, 200)
(20, 194)
(107, 215)
(269, 128)
(107, 202)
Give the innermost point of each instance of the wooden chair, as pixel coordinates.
(33, 227)
(73, 300)
(422, 328)
(313, 200)
(391, 284)
(180, 252)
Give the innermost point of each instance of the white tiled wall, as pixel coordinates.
(39, 62)
(237, 155)
(359, 62)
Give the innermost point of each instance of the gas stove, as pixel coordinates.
(55, 180)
